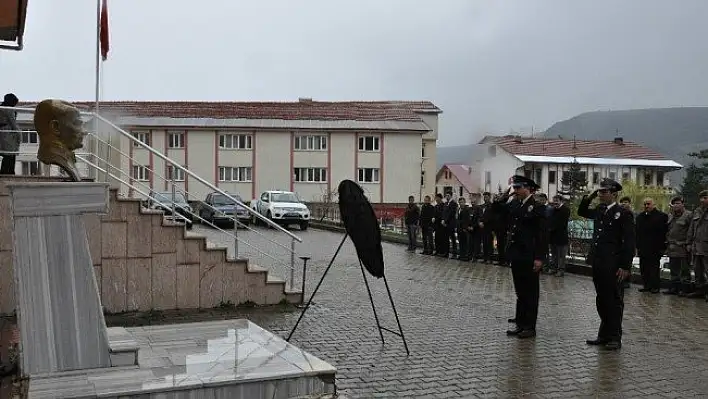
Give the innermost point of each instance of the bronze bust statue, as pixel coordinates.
(60, 131)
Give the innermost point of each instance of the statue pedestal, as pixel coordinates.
(59, 310)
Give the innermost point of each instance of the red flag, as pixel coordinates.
(104, 30)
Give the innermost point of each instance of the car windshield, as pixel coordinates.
(285, 197)
(220, 200)
(166, 198)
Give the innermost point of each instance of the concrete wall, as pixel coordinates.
(142, 263)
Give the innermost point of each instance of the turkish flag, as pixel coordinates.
(104, 30)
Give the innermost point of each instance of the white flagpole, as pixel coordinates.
(98, 80)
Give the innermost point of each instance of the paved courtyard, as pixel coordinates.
(454, 317)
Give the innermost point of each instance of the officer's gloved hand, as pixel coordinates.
(593, 194)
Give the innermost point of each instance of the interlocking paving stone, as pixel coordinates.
(454, 318)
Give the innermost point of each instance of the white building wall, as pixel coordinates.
(499, 165)
(401, 166)
(343, 154)
(273, 158)
(272, 169)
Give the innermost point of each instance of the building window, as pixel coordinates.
(368, 175)
(175, 140)
(539, 176)
(310, 175)
(612, 175)
(422, 178)
(461, 192)
(141, 136)
(368, 143)
(236, 141)
(310, 143)
(422, 151)
(552, 178)
(29, 137)
(492, 151)
(487, 177)
(235, 173)
(648, 177)
(625, 176)
(527, 173)
(447, 174)
(30, 168)
(141, 173)
(176, 172)
(595, 177)
(660, 179)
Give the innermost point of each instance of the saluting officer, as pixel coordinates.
(527, 249)
(610, 256)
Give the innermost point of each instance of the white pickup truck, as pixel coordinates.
(283, 208)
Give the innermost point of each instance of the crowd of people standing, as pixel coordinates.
(531, 235)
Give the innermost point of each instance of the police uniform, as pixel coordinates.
(527, 242)
(612, 249)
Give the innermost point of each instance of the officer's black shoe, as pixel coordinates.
(613, 345)
(512, 320)
(596, 341)
(645, 289)
(654, 290)
(515, 331)
(528, 333)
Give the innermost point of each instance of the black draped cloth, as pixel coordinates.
(362, 226)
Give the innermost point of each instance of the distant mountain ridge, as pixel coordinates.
(673, 132)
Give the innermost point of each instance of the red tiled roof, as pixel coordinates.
(302, 110)
(568, 148)
(462, 174)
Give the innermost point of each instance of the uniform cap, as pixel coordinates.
(523, 181)
(703, 193)
(609, 184)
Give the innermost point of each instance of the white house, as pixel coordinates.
(248, 147)
(457, 180)
(545, 161)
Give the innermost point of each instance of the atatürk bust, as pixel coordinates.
(61, 131)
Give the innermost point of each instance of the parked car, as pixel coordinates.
(283, 208)
(165, 200)
(218, 208)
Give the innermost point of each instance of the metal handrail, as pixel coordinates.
(197, 177)
(186, 220)
(173, 163)
(235, 220)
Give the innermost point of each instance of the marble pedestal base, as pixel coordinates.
(58, 304)
(233, 359)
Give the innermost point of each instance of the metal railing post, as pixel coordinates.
(174, 194)
(304, 276)
(292, 264)
(235, 237)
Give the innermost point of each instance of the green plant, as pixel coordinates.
(573, 182)
(637, 193)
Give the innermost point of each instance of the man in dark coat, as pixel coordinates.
(527, 250)
(558, 234)
(427, 213)
(486, 227)
(450, 223)
(412, 220)
(464, 228)
(442, 246)
(610, 256)
(652, 226)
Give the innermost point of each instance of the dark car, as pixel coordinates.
(163, 201)
(218, 208)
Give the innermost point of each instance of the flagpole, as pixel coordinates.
(97, 81)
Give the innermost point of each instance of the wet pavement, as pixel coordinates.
(454, 316)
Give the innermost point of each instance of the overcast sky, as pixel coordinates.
(491, 66)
